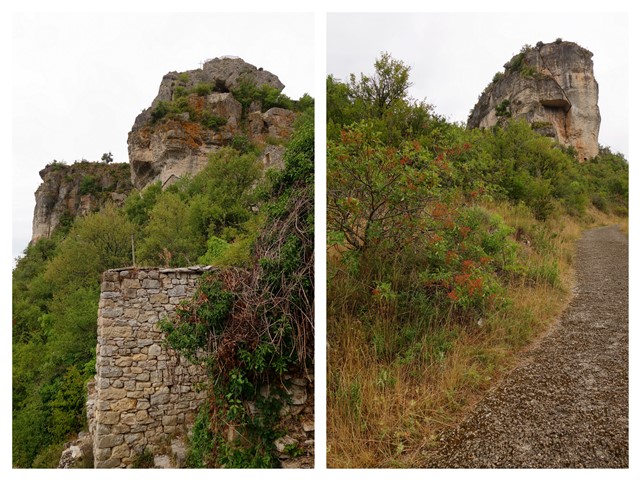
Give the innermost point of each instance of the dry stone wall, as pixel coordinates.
(144, 394)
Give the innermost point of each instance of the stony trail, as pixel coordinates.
(566, 405)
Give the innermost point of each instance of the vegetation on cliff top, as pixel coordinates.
(449, 250)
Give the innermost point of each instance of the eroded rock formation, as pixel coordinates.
(69, 191)
(551, 86)
(196, 113)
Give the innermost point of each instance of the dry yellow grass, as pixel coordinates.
(388, 412)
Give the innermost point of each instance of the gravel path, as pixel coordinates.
(566, 406)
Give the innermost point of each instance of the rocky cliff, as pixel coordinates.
(69, 191)
(199, 111)
(552, 87)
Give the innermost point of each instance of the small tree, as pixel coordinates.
(388, 84)
(377, 193)
(107, 158)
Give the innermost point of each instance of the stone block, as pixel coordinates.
(177, 291)
(130, 283)
(112, 393)
(298, 395)
(124, 362)
(117, 331)
(112, 462)
(120, 428)
(124, 404)
(102, 454)
(150, 283)
(121, 451)
(111, 312)
(107, 350)
(108, 418)
(141, 415)
(171, 420)
(109, 441)
(137, 394)
(155, 350)
(109, 372)
(159, 298)
(131, 313)
(159, 399)
(110, 276)
(110, 295)
(128, 418)
(143, 377)
(153, 274)
(130, 292)
(133, 438)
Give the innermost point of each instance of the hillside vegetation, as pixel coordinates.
(223, 216)
(449, 250)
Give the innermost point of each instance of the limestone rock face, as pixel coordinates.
(551, 86)
(69, 191)
(201, 115)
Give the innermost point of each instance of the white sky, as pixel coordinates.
(453, 56)
(79, 80)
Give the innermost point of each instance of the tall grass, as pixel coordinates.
(400, 370)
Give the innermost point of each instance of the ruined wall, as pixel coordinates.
(145, 396)
(143, 393)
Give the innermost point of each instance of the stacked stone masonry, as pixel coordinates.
(145, 396)
(144, 393)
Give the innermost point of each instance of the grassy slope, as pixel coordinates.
(387, 412)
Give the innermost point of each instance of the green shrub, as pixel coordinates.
(212, 121)
(502, 109)
(89, 184)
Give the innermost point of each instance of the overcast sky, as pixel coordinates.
(453, 56)
(79, 80)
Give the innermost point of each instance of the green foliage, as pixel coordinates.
(138, 205)
(169, 238)
(89, 184)
(502, 109)
(262, 315)
(247, 92)
(161, 109)
(304, 103)
(107, 158)
(389, 84)
(376, 194)
(212, 121)
(216, 249)
(382, 100)
(203, 89)
(242, 144)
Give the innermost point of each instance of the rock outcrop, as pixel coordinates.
(551, 86)
(69, 191)
(198, 112)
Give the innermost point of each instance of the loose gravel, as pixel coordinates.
(566, 405)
